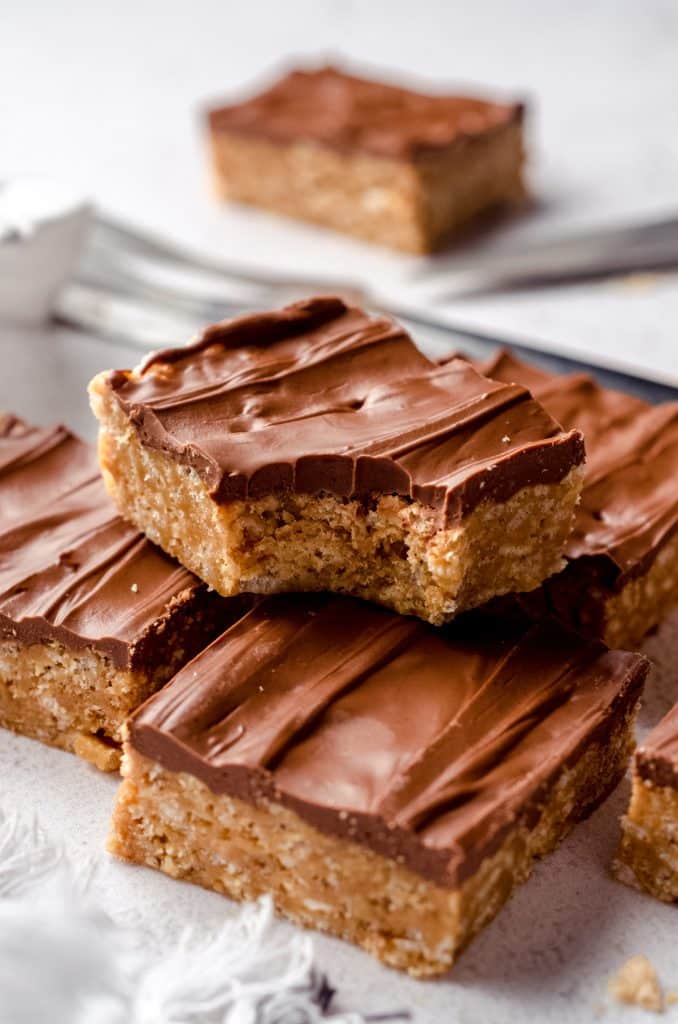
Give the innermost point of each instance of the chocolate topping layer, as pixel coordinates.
(70, 568)
(334, 109)
(629, 504)
(425, 745)
(320, 397)
(657, 758)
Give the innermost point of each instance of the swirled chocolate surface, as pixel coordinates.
(657, 758)
(320, 397)
(427, 746)
(629, 503)
(331, 108)
(70, 568)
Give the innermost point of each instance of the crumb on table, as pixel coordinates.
(637, 983)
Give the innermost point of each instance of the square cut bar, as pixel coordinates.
(387, 164)
(622, 556)
(93, 618)
(383, 781)
(315, 448)
(648, 853)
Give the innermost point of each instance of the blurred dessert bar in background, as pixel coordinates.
(648, 854)
(622, 556)
(316, 448)
(383, 781)
(93, 617)
(387, 164)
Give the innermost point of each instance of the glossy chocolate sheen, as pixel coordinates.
(426, 746)
(320, 397)
(334, 109)
(71, 569)
(657, 759)
(629, 504)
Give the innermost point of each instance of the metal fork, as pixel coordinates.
(146, 290)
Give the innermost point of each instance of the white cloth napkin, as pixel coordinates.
(63, 960)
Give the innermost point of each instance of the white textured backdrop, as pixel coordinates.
(108, 96)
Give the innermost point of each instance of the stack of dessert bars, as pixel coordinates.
(348, 617)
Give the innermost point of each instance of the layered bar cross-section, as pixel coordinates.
(316, 448)
(622, 556)
(93, 617)
(390, 165)
(648, 853)
(384, 781)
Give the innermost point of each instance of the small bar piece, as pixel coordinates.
(383, 781)
(93, 618)
(622, 556)
(648, 853)
(390, 165)
(315, 448)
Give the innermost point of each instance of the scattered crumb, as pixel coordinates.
(671, 997)
(637, 983)
(134, 588)
(506, 439)
(640, 282)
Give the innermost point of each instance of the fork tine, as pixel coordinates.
(103, 313)
(151, 246)
(103, 270)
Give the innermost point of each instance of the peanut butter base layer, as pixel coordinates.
(647, 857)
(173, 822)
(621, 617)
(389, 550)
(415, 205)
(93, 618)
(622, 573)
(640, 605)
(78, 699)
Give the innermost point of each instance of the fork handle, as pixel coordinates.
(645, 246)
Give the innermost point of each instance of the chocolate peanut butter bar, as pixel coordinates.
(648, 854)
(622, 556)
(387, 164)
(384, 781)
(93, 617)
(315, 448)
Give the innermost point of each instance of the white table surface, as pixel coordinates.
(107, 99)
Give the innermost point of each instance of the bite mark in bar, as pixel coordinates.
(315, 448)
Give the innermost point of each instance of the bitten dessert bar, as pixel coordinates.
(648, 854)
(387, 164)
(384, 781)
(93, 618)
(622, 556)
(315, 448)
